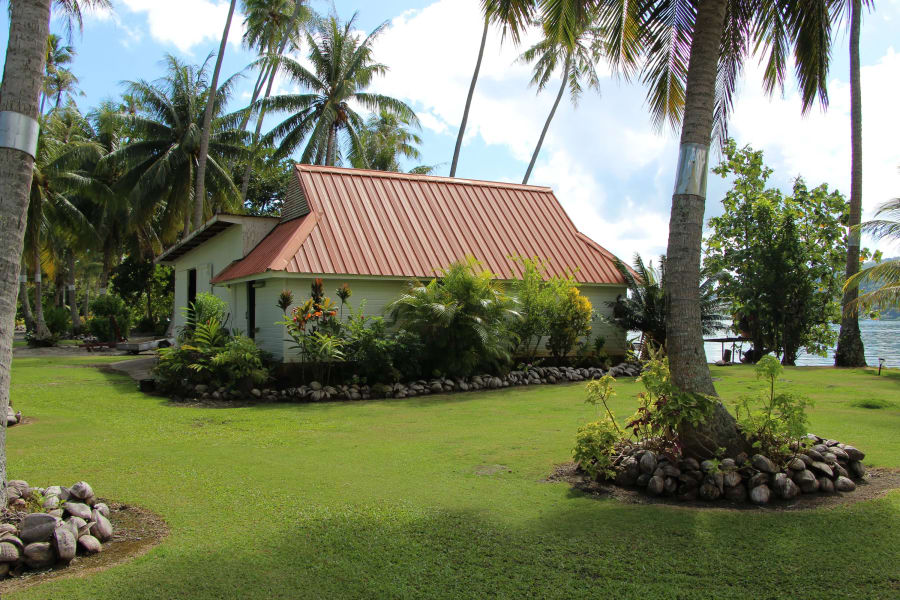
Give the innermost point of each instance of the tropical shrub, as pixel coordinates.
(591, 353)
(240, 363)
(643, 307)
(594, 446)
(315, 331)
(535, 296)
(58, 320)
(570, 319)
(775, 424)
(104, 307)
(370, 347)
(211, 356)
(461, 317)
(663, 409)
(207, 307)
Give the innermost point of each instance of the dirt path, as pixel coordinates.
(137, 369)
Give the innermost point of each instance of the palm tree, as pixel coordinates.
(268, 23)
(20, 90)
(850, 350)
(57, 79)
(160, 160)
(643, 308)
(385, 139)
(343, 68)
(691, 54)
(110, 209)
(578, 63)
(461, 315)
(512, 16)
(270, 31)
(884, 277)
(200, 193)
(63, 148)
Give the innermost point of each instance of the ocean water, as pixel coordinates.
(880, 338)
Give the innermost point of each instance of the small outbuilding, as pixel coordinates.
(376, 231)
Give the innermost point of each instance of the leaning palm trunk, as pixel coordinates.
(73, 300)
(684, 337)
(200, 190)
(537, 149)
(273, 70)
(465, 118)
(257, 90)
(29, 26)
(850, 351)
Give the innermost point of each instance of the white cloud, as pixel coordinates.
(636, 229)
(188, 23)
(606, 150)
(818, 146)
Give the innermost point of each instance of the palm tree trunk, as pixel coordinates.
(331, 148)
(23, 298)
(104, 273)
(59, 288)
(850, 350)
(273, 70)
(537, 149)
(40, 326)
(257, 90)
(20, 91)
(73, 299)
(245, 181)
(465, 118)
(200, 190)
(684, 338)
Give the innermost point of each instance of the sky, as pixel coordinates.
(610, 168)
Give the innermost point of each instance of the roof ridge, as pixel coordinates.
(420, 177)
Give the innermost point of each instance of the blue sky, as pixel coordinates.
(611, 170)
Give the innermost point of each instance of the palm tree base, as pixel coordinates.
(850, 350)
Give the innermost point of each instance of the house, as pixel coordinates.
(376, 231)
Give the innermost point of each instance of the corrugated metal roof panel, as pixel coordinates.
(400, 225)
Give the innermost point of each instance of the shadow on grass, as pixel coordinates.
(580, 549)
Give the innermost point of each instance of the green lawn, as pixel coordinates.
(382, 499)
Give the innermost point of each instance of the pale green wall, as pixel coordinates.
(376, 293)
(599, 295)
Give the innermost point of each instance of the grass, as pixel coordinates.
(382, 499)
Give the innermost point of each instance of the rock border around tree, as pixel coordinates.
(827, 466)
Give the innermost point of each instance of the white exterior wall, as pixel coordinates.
(208, 258)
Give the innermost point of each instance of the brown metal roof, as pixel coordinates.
(401, 225)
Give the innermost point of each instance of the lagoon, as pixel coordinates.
(880, 338)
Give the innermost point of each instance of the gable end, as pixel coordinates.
(295, 204)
